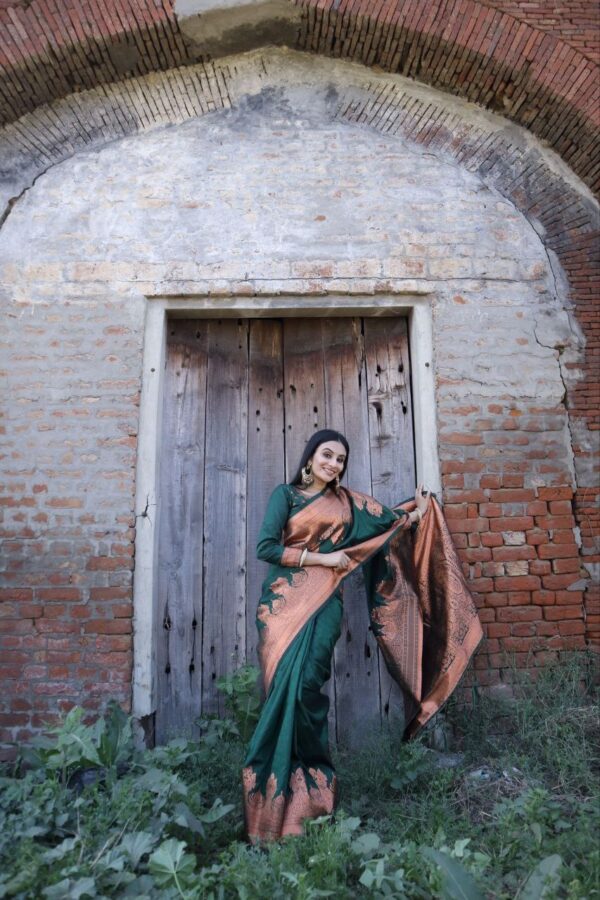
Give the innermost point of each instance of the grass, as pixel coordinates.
(512, 812)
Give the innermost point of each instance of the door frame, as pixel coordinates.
(416, 306)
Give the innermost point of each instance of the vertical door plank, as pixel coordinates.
(356, 663)
(265, 451)
(304, 389)
(179, 623)
(224, 624)
(392, 444)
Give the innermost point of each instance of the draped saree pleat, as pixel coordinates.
(421, 612)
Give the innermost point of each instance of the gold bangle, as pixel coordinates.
(303, 556)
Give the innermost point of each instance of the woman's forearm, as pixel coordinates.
(314, 559)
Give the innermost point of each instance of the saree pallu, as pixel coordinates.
(421, 612)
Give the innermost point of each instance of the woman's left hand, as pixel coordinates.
(421, 501)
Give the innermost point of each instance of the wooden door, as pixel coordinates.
(241, 398)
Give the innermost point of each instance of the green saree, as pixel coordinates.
(421, 612)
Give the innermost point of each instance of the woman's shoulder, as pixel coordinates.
(284, 493)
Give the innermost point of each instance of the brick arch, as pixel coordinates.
(494, 54)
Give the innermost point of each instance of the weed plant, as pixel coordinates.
(512, 813)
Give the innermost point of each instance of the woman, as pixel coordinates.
(315, 533)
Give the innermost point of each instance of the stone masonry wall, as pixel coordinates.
(286, 191)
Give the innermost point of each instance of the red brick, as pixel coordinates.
(481, 585)
(490, 481)
(107, 626)
(109, 563)
(509, 554)
(573, 627)
(490, 510)
(547, 629)
(519, 614)
(558, 613)
(513, 523)
(16, 594)
(549, 523)
(537, 537)
(555, 493)
(110, 593)
(467, 525)
(557, 582)
(507, 495)
(496, 599)
(558, 551)
(65, 502)
(519, 598)
(537, 508)
(512, 481)
(487, 615)
(544, 598)
(475, 554)
(519, 644)
(492, 569)
(65, 594)
(560, 566)
(460, 439)
(492, 540)
(569, 597)
(54, 626)
(562, 536)
(498, 630)
(122, 610)
(561, 508)
(466, 496)
(523, 629)
(517, 583)
(539, 567)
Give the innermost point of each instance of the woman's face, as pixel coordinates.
(328, 461)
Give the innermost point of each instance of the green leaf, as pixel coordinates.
(114, 736)
(61, 850)
(367, 878)
(216, 812)
(136, 844)
(537, 832)
(186, 818)
(366, 844)
(73, 889)
(457, 883)
(347, 826)
(543, 880)
(170, 861)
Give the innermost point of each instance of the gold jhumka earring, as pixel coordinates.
(307, 476)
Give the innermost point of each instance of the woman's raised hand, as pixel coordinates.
(421, 501)
(336, 560)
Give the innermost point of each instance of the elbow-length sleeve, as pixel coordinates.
(269, 547)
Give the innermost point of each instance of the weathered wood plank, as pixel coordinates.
(391, 440)
(265, 451)
(356, 663)
(224, 622)
(390, 409)
(304, 389)
(181, 511)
